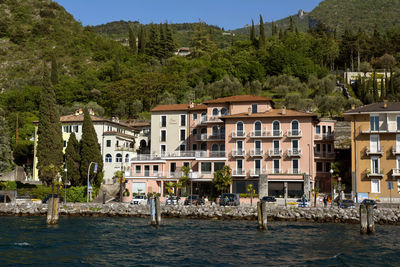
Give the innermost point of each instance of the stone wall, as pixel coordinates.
(276, 213)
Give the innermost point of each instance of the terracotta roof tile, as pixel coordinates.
(375, 107)
(178, 107)
(238, 98)
(272, 113)
(79, 118)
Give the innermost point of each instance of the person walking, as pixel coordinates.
(325, 201)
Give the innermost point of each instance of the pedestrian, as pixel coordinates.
(304, 200)
(325, 201)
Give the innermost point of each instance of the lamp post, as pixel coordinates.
(65, 185)
(331, 172)
(191, 186)
(88, 172)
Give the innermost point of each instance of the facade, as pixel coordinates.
(244, 132)
(117, 142)
(375, 151)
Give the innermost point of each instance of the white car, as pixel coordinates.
(139, 200)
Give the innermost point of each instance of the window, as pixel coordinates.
(182, 147)
(206, 167)
(215, 112)
(295, 145)
(186, 164)
(375, 165)
(329, 148)
(398, 123)
(138, 169)
(257, 128)
(398, 185)
(222, 147)
(318, 129)
(374, 122)
(276, 145)
(67, 128)
(295, 166)
(194, 116)
(214, 147)
(127, 158)
(163, 148)
(215, 130)
(239, 146)
(108, 158)
(329, 129)
(375, 186)
(239, 128)
(155, 168)
(218, 166)
(109, 128)
(327, 166)
(163, 121)
(183, 120)
(172, 167)
(163, 135)
(276, 128)
(108, 143)
(374, 143)
(319, 167)
(276, 165)
(75, 128)
(118, 158)
(318, 148)
(194, 147)
(203, 116)
(254, 108)
(203, 146)
(295, 128)
(239, 165)
(257, 166)
(222, 132)
(257, 146)
(146, 170)
(117, 143)
(194, 132)
(183, 135)
(224, 111)
(65, 143)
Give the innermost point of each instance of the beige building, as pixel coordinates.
(375, 148)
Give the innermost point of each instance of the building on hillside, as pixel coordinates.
(117, 142)
(141, 131)
(375, 151)
(244, 132)
(183, 51)
(352, 77)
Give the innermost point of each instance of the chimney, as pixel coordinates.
(91, 112)
(80, 111)
(115, 119)
(76, 113)
(283, 110)
(353, 106)
(191, 105)
(384, 103)
(249, 111)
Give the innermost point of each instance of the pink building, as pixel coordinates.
(246, 133)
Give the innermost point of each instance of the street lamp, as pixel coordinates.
(88, 172)
(65, 185)
(331, 172)
(191, 185)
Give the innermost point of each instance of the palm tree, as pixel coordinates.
(251, 190)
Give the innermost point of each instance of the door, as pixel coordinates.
(257, 147)
(257, 128)
(374, 143)
(295, 146)
(239, 166)
(239, 147)
(295, 166)
(276, 147)
(398, 143)
(276, 165)
(375, 165)
(257, 166)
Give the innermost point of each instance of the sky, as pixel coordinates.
(229, 14)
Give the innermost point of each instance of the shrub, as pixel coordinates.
(246, 195)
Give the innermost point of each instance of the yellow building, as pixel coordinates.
(375, 148)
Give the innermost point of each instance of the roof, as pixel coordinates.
(179, 107)
(79, 118)
(238, 98)
(137, 124)
(375, 108)
(271, 113)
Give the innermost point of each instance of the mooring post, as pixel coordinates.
(262, 215)
(363, 219)
(158, 211)
(52, 210)
(259, 215)
(370, 219)
(152, 211)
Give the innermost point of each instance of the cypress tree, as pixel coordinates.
(170, 42)
(291, 25)
(54, 71)
(73, 161)
(163, 51)
(274, 29)
(5, 151)
(153, 46)
(141, 40)
(116, 72)
(261, 41)
(90, 152)
(280, 34)
(252, 33)
(132, 40)
(50, 142)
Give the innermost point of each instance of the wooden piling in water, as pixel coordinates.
(158, 211)
(153, 211)
(363, 219)
(52, 210)
(370, 219)
(262, 215)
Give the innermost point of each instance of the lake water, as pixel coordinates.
(87, 241)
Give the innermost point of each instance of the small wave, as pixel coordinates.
(23, 244)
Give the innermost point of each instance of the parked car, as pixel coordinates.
(172, 200)
(229, 200)
(46, 199)
(370, 202)
(139, 200)
(302, 204)
(268, 199)
(195, 199)
(348, 204)
(8, 200)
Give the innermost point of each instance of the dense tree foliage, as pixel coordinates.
(73, 162)
(5, 150)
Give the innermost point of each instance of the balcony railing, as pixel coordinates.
(375, 151)
(324, 136)
(238, 153)
(217, 154)
(395, 172)
(294, 171)
(375, 172)
(239, 172)
(257, 172)
(256, 153)
(276, 171)
(324, 154)
(216, 137)
(395, 151)
(293, 133)
(182, 154)
(123, 148)
(203, 119)
(296, 152)
(276, 152)
(239, 134)
(214, 119)
(201, 137)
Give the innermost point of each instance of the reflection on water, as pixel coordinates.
(132, 241)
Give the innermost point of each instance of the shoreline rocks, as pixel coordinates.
(213, 212)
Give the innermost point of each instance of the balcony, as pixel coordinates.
(395, 172)
(217, 154)
(201, 137)
(256, 153)
(214, 119)
(239, 134)
(395, 151)
(296, 152)
(276, 171)
(125, 149)
(324, 154)
(293, 133)
(219, 137)
(238, 153)
(258, 172)
(375, 173)
(375, 151)
(324, 136)
(238, 172)
(294, 171)
(276, 152)
(175, 174)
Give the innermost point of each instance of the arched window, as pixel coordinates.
(127, 158)
(215, 130)
(108, 158)
(222, 147)
(214, 147)
(215, 112)
(276, 127)
(118, 158)
(203, 130)
(239, 128)
(222, 131)
(224, 111)
(295, 127)
(257, 128)
(203, 146)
